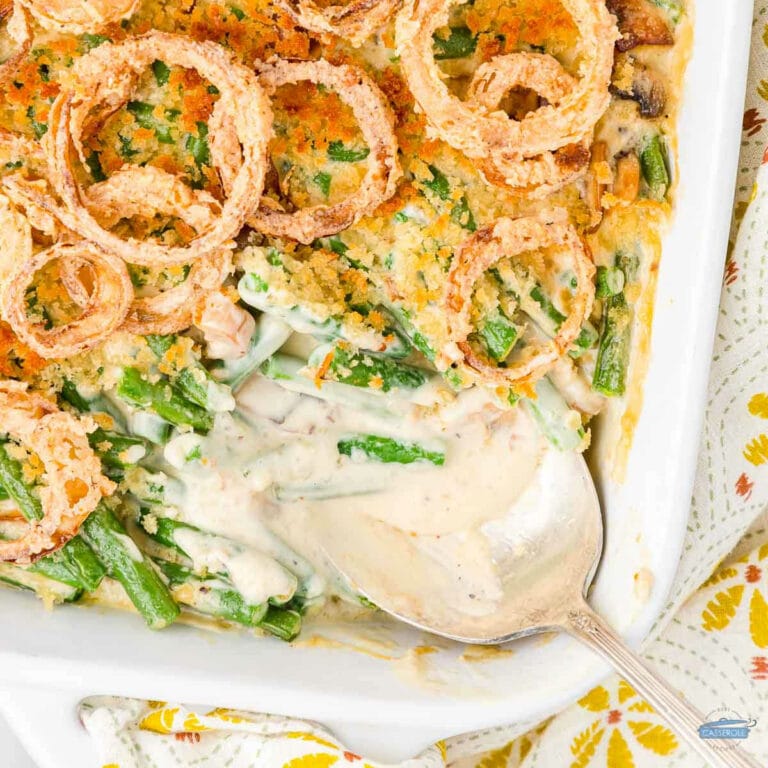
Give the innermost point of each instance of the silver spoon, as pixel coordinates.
(545, 563)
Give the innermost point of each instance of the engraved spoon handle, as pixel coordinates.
(583, 623)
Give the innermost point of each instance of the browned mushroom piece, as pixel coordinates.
(640, 23)
(645, 87)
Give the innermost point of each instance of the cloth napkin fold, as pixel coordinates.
(711, 644)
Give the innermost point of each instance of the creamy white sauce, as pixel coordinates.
(270, 478)
(255, 575)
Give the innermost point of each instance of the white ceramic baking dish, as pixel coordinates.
(389, 708)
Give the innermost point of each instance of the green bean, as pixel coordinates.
(551, 318)
(283, 623)
(287, 371)
(417, 338)
(558, 423)
(74, 564)
(45, 588)
(609, 282)
(118, 450)
(499, 335)
(125, 563)
(70, 394)
(389, 450)
(165, 531)
(613, 351)
(12, 480)
(341, 154)
(365, 369)
(459, 44)
(254, 291)
(271, 333)
(653, 163)
(193, 381)
(148, 425)
(164, 399)
(210, 596)
(461, 213)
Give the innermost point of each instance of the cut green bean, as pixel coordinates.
(613, 351)
(165, 529)
(160, 344)
(419, 341)
(164, 399)
(75, 564)
(210, 596)
(118, 450)
(551, 318)
(148, 425)
(48, 590)
(287, 371)
(12, 480)
(255, 292)
(609, 282)
(459, 44)
(364, 369)
(653, 163)
(71, 395)
(498, 335)
(271, 333)
(389, 450)
(125, 563)
(194, 382)
(283, 623)
(560, 424)
(342, 154)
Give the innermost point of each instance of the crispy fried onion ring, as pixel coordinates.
(78, 16)
(19, 31)
(502, 239)
(134, 190)
(73, 483)
(478, 133)
(104, 80)
(545, 173)
(103, 310)
(356, 21)
(369, 106)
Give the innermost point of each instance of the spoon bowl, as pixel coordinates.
(542, 556)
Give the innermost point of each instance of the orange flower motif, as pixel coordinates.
(752, 122)
(626, 720)
(744, 486)
(759, 669)
(750, 573)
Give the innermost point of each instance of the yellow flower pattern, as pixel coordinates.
(627, 721)
(735, 581)
(317, 760)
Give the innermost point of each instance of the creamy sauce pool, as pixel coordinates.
(271, 478)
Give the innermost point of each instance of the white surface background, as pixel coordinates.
(14, 755)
